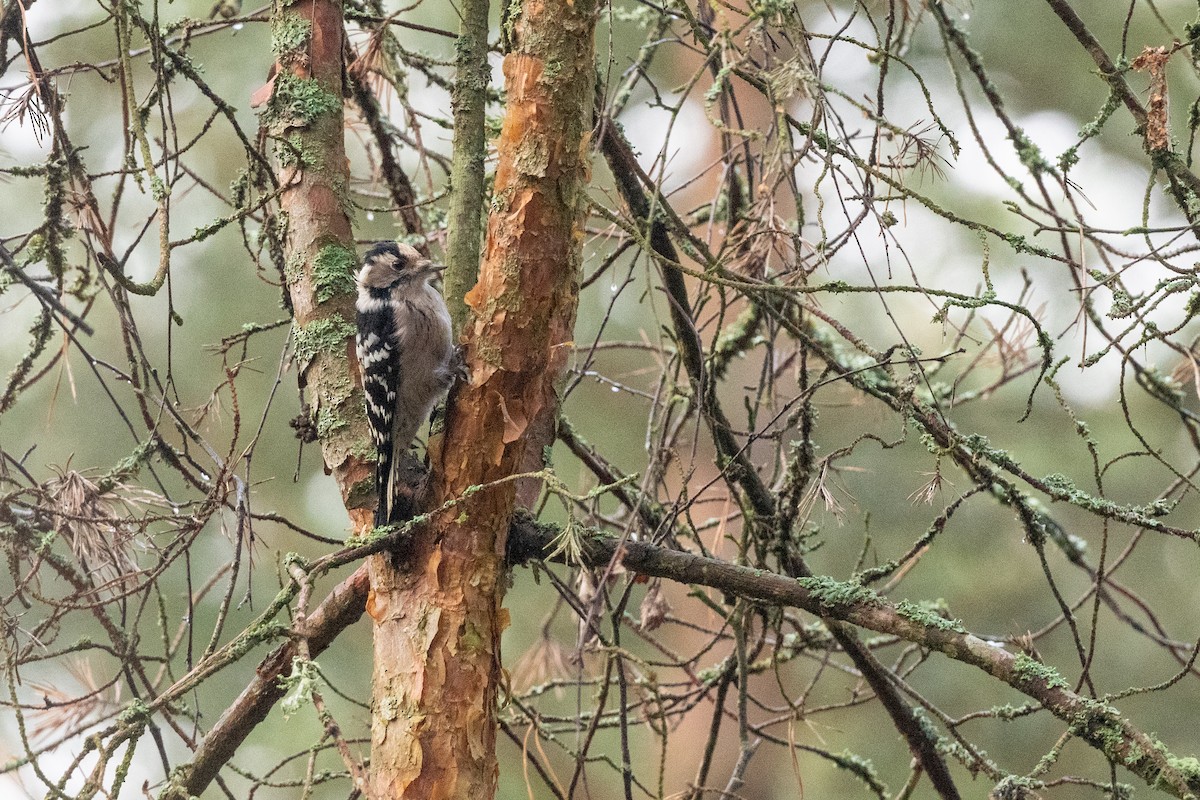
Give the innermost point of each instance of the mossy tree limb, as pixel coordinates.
(845, 603)
(340, 609)
(469, 102)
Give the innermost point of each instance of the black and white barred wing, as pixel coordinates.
(378, 357)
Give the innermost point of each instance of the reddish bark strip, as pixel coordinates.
(438, 626)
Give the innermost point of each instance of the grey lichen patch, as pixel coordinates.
(930, 614)
(488, 352)
(299, 686)
(550, 72)
(359, 446)
(388, 708)
(129, 466)
(300, 101)
(1014, 787)
(329, 421)
(372, 535)
(293, 151)
(864, 768)
(1027, 669)
(293, 270)
(1011, 712)
(338, 389)
(323, 336)
(134, 712)
(289, 34)
(982, 448)
(333, 271)
(510, 13)
(832, 593)
(340, 417)
(1101, 724)
(363, 450)
(533, 157)
(1187, 766)
(1060, 487)
(256, 635)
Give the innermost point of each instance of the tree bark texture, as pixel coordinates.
(305, 118)
(438, 616)
(469, 102)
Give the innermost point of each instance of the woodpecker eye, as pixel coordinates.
(390, 264)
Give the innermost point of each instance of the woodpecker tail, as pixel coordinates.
(383, 483)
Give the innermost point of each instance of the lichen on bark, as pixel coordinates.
(304, 116)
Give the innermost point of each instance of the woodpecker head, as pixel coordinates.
(388, 264)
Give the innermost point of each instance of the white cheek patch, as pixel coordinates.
(367, 304)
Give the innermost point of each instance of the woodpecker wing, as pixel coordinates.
(378, 357)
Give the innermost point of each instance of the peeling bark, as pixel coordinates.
(439, 619)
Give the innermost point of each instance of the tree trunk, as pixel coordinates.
(305, 116)
(439, 616)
